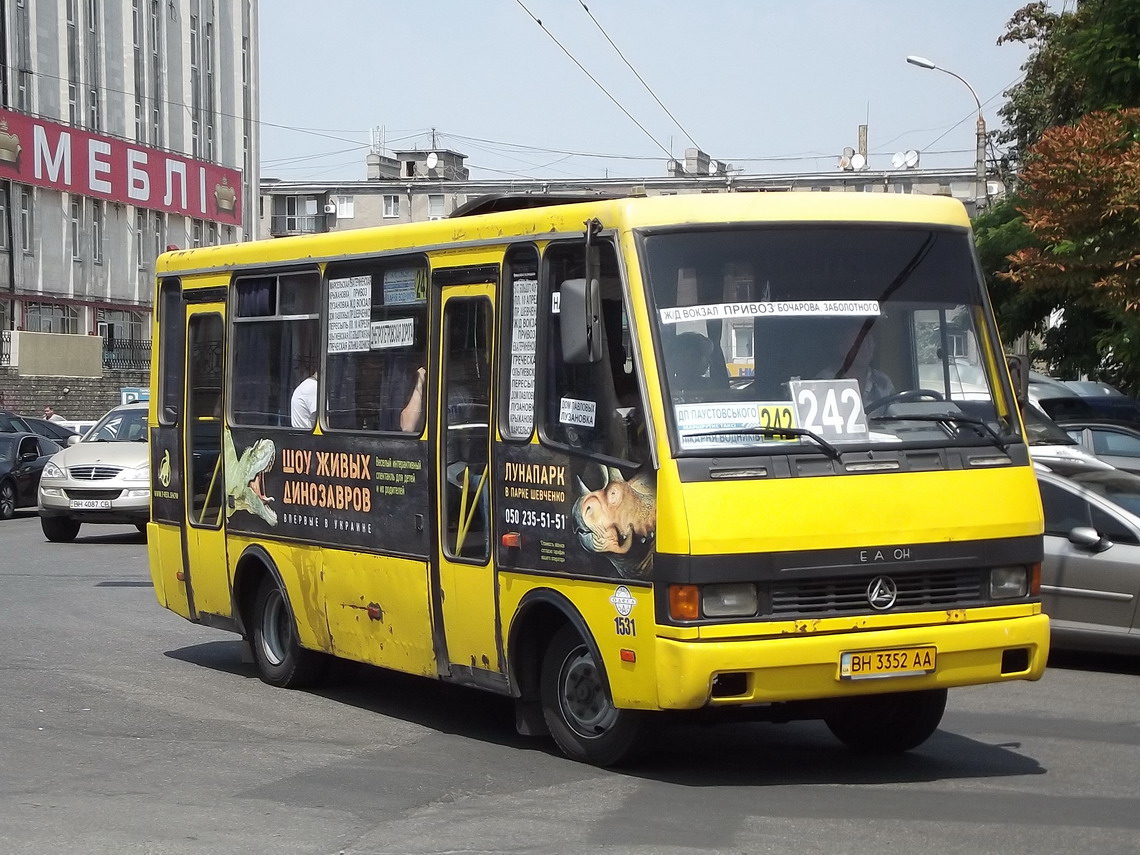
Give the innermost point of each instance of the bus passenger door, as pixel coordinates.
(464, 579)
(206, 568)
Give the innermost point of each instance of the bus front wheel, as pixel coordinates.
(280, 659)
(887, 724)
(577, 706)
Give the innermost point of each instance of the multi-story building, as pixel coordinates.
(127, 126)
(416, 185)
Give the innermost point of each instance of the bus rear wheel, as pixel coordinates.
(887, 724)
(577, 707)
(280, 659)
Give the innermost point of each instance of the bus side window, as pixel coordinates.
(593, 407)
(276, 335)
(370, 383)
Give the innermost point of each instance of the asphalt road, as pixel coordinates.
(128, 730)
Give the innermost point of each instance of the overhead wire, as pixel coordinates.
(594, 79)
(638, 76)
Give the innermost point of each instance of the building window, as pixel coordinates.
(26, 223)
(51, 317)
(76, 229)
(391, 206)
(159, 233)
(345, 208)
(741, 343)
(197, 233)
(435, 206)
(97, 231)
(3, 223)
(140, 230)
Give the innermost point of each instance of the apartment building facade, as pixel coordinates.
(127, 127)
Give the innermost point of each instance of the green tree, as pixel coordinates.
(1080, 202)
(1079, 61)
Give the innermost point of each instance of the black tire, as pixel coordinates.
(59, 529)
(7, 500)
(577, 706)
(887, 724)
(279, 657)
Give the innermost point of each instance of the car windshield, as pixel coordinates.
(1042, 430)
(1118, 487)
(7, 449)
(120, 426)
(849, 334)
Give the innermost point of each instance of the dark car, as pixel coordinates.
(1113, 442)
(1090, 578)
(22, 459)
(57, 431)
(1116, 407)
(10, 422)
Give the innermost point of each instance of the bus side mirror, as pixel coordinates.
(580, 310)
(1019, 374)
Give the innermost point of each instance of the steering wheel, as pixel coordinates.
(907, 395)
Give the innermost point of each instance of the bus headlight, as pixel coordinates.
(731, 600)
(1007, 583)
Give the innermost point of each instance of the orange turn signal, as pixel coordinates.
(627, 655)
(1035, 579)
(684, 602)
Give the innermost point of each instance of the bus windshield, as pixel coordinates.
(773, 338)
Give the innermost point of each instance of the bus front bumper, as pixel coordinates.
(700, 673)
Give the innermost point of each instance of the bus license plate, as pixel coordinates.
(896, 662)
(90, 504)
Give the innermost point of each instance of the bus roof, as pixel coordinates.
(621, 214)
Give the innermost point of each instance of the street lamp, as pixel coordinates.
(981, 191)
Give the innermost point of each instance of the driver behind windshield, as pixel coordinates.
(854, 351)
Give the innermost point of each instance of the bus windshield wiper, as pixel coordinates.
(828, 449)
(955, 419)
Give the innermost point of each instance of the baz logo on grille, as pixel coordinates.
(882, 593)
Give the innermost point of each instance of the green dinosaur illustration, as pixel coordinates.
(244, 484)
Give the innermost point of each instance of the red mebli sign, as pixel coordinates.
(46, 154)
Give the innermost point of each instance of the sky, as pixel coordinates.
(769, 86)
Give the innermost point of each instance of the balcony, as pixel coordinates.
(284, 225)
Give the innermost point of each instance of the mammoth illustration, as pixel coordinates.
(619, 520)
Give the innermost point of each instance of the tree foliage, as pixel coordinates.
(1080, 203)
(1079, 62)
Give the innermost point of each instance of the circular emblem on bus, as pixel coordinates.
(623, 600)
(882, 593)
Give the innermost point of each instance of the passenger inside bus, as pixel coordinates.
(690, 358)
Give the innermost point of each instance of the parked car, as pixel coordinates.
(1090, 578)
(1117, 443)
(103, 478)
(11, 422)
(23, 456)
(57, 431)
(1048, 441)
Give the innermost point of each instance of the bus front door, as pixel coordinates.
(204, 486)
(464, 579)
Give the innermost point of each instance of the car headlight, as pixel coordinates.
(1007, 583)
(142, 473)
(52, 471)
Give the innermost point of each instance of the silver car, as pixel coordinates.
(1090, 579)
(103, 478)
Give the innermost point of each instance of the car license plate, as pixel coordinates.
(90, 504)
(894, 662)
